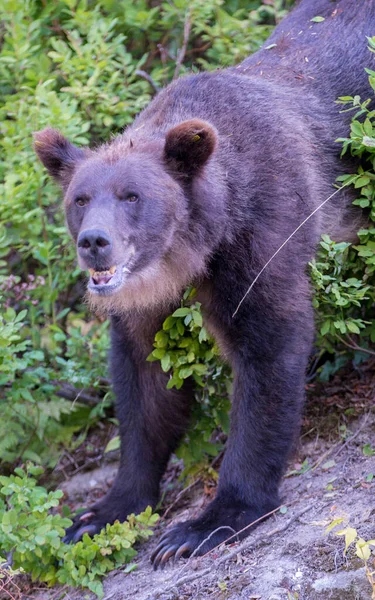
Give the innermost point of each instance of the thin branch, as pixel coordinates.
(207, 539)
(354, 346)
(244, 546)
(235, 535)
(69, 392)
(286, 241)
(349, 440)
(194, 483)
(148, 78)
(181, 54)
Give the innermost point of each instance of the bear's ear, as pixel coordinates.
(57, 154)
(189, 145)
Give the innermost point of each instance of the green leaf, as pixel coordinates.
(185, 373)
(21, 315)
(202, 335)
(166, 362)
(353, 328)
(317, 19)
(369, 142)
(181, 312)
(168, 323)
(350, 536)
(362, 181)
(130, 568)
(363, 550)
(368, 450)
(113, 444)
(325, 327)
(197, 318)
(328, 465)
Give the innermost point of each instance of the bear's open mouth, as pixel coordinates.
(102, 277)
(105, 282)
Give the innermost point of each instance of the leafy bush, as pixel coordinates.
(185, 348)
(343, 274)
(34, 420)
(32, 536)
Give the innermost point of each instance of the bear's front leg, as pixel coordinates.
(152, 420)
(269, 349)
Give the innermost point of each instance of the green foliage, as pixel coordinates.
(32, 536)
(343, 274)
(185, 349)
(34, 421)
(338, 296)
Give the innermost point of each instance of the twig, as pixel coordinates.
(354, 346)
(148, 78)
(207, 539)
(349, 441)
(6, 579)
(253, 542)
(181, 54)
(244, 546)
(69, 392)
(236, 534)
(287, 240)
(198, 480)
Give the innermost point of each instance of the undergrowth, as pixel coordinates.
(343, 274)
(31, 536)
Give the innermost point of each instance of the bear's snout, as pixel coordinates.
(94, 244)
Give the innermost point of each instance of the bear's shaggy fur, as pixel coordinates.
(203, 188)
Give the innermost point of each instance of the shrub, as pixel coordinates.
(343, 274)
(32, 536)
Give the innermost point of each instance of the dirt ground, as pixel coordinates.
(289, 556)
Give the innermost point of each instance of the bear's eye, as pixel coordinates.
(81, 200)
(131, 198)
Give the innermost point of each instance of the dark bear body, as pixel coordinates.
(203, 188)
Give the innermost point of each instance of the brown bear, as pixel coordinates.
(203, 188)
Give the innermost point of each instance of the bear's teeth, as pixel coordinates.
(110, 271)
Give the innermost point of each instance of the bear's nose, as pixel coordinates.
(93, 242)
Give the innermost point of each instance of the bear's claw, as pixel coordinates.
(186, 539)
(86, 522)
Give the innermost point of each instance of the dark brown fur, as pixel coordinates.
(203, 188)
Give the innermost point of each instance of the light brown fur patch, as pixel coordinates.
(159, 284)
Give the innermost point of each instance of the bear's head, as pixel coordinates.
(128, 206)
